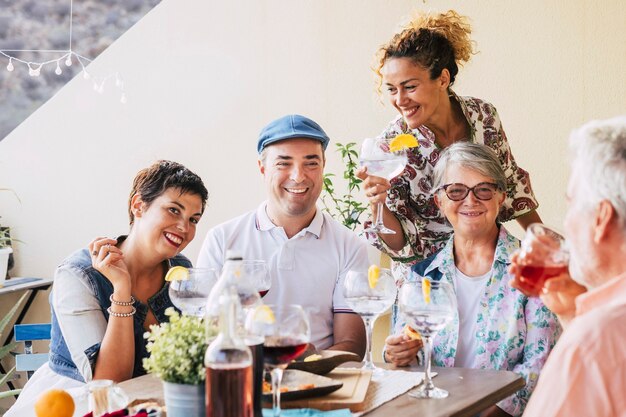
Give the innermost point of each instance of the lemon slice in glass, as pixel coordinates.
(402, 142)
(373, 273)
(264, 314)
(177, 273)
(426, 290)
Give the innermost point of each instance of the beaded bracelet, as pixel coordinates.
(122, 303)
(114, 314)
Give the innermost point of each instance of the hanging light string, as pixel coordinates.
(34, 68)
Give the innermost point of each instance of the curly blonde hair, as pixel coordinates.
(433, 41)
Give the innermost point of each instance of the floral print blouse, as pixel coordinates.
(513, 332)
(426, 230)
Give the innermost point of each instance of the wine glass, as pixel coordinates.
(369, 297)
(427, 306)
(543, 255)
(257, 272)
(190, 295)
(286, 332)
(380, 162)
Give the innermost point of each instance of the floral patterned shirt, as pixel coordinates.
(513, 332)
(425, 228)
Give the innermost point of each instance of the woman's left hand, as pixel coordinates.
(108, 259)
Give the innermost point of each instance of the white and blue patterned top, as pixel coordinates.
(513, 332)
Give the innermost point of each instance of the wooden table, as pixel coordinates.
(471, 391)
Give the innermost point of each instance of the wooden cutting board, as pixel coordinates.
(351, 395)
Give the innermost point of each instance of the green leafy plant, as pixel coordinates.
(5, 232)
(344, 208)
(177, 349)
(6, 349)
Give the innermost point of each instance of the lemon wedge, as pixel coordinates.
(373, 273)
(264, 314)
(426, 290)
(177, 273)
(402, 142)
(412, 333)
(314, 357)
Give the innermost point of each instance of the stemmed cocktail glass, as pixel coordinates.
(381, 162)
(190, 295)
(257, 273)
(370, 293)
(427, 307)
(286, 332)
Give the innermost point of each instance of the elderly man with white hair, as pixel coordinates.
(585, 374)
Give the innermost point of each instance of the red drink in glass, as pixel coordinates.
(282, 351)
(536, 275)
(229, 392)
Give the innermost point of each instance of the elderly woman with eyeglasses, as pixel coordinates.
(496, 326)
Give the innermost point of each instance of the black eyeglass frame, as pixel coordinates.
(495, 186)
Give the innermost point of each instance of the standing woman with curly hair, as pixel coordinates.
(417, 68)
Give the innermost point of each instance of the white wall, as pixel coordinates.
(202, 78)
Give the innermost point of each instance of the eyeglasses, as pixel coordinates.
(482, 191)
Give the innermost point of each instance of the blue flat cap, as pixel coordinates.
(290, 127)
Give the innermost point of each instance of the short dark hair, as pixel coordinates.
(150, 183)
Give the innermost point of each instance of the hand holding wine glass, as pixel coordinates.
(286, 331)
(543, 255)
(428, 306)
(384, 161)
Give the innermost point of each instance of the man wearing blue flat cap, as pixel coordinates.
(307, 251)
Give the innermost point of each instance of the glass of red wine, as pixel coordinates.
(286, 332)
(257, 272)
(543, 255)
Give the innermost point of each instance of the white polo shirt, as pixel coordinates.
(307, 269)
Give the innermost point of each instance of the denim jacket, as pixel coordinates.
(100, 288)
(513, 332)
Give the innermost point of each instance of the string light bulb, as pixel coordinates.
(34, 68)
(34, 71)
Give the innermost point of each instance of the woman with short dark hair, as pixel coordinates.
(105, 296)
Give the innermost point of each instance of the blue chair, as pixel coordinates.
(27, 333)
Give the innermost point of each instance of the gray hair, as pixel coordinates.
(598, 149)
(473, 156)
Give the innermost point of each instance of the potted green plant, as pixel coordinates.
(345, 208)
(176, 357)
